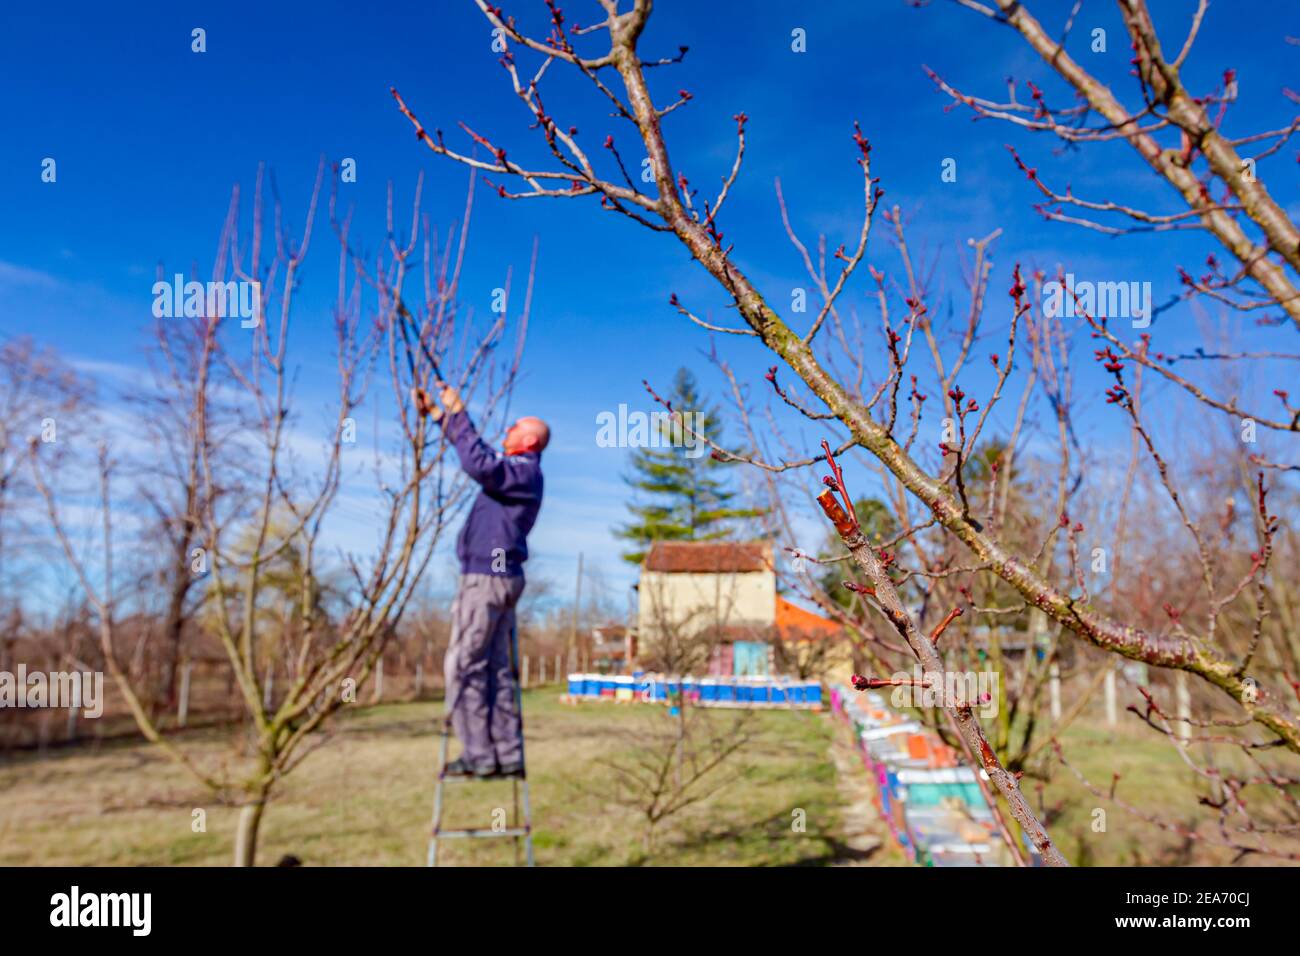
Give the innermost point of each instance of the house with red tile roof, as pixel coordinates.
(713, 606)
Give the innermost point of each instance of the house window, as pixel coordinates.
(749, 658)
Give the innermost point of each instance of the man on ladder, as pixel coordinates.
(481, 688)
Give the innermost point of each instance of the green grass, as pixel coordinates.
(365, 796)
(1156, 781)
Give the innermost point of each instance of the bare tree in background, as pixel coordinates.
(681, 758)
(38, 393)
(676, 762)
(173, 484)
(41, 397)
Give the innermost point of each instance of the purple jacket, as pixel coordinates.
(493, 540)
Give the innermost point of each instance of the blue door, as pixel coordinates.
(749, 658)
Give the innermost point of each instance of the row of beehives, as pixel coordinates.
(931, 801)
(779, 692)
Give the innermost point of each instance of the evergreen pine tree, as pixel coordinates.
(680, 498)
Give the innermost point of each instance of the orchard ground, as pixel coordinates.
(364, 798)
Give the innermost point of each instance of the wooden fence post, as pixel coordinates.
(183, 701)
(74, 707)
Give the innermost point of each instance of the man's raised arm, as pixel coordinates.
(477, 459)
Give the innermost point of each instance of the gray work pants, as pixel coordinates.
(480, 682)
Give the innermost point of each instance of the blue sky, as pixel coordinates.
(149, 138)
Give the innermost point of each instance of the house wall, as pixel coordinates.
(694, 602)
(839, 662)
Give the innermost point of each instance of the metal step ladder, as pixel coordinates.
(521, 829)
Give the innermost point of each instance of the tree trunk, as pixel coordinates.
(174, 624)
(250, 820)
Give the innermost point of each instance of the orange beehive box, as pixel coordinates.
(918, 746)
(943, 756)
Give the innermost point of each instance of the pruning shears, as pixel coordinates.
(404, 316)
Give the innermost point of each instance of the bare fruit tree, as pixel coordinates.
(683, 758)
(302, 629)
(961, 521)
(38, 391)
